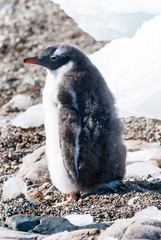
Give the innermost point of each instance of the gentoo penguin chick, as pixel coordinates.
(84, 144)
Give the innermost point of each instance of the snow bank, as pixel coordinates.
(132, 69)
(106, 19)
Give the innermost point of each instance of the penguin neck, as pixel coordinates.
(58, 73)
(54, 79)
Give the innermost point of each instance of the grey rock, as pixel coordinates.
(46, 225)
(23, 222)
(52, 225)
(35, 167)
(134, 229)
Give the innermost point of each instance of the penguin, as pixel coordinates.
(84, 144)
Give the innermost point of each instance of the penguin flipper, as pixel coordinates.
(70, 130)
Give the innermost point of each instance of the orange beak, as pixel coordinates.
(31, 60)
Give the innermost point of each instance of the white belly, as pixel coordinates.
(56, 167)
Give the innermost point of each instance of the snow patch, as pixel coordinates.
(14, 185)
(140, 169)
(4, 120)
(149, 213)
(19, 101)
(80, 220)
(32, 117)
(142, 155)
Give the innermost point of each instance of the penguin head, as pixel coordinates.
(56, 56)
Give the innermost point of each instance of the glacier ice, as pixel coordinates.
(108, 20)
(132, 70)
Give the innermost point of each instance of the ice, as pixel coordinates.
(108, 20)
(32, 117)
(142, 155)
(132, 70)
(14, 185)
(4, 120)
(149, 213)
(140, 169)
(80, 220)
(20, 101)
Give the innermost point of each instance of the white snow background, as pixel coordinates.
(131, 65)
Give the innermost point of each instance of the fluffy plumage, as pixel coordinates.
(83, 132)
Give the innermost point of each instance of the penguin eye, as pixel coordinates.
(52, 58)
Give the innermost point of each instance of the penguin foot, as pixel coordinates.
(73, 197)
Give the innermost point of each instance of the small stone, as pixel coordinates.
(106, 215)
(37, 195)
(48, 197)
(50, 191)
(17, 196)
(133, 201)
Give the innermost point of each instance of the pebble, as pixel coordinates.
(133, 201)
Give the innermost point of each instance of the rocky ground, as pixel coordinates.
(27, 27)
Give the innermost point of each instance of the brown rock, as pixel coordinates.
(37, 195)
(136, 145)
(134, 229)
(84, 234)
(156, 159)
(35, 167)
(6, 233)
